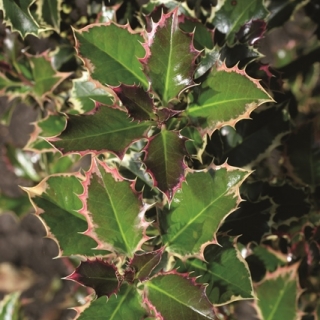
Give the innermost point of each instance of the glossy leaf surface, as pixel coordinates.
(234, 14)
(199, 207)
(170, 63)
(175, 296)
(114, 58)
(17, 15)
(108, 129)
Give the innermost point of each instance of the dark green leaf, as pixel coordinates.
(108, 129)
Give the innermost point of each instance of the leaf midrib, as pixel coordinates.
(132, 71)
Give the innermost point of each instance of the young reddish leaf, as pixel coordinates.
(143, 264)
(108, 129)
(199, 208)
(170, 59)
(233, 14)
(225, 97)
(114, 213)
(218, 271)
(277, 294)
(164, 160)
(57, 203)
(97, 274)
(127, 304)
(174, 295)
(138, 102)
(113, 59)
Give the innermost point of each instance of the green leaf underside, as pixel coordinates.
(164, 160)
(17, 15)
(226, 274)
(113, 210)
(199, 207)
(277, 296)
(123, 306)
(59, 201)
(85, 93)
(143, 264)
(225, 96)
(111, 53)
(97, 274)
(137, 101)
(170, 65)
(108, 129)
(177, 297)
(234, 14)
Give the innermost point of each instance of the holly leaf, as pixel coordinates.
(126, 304)
(50, 126)
(117, 224)
(138, 102)
(56, 201)
(199, 208)
(174, 295)
(203, 37)
(86, 92)
(164, 160)
(97, 274)
(143, 264)
(277, 294)
(107, 129)
(39, 79)
(114, 58)
(224, 270)
(48, 13)
(235, 13)
(170, 59)
(17, 15)
(224, 98)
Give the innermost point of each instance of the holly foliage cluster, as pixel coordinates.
(202, 192)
